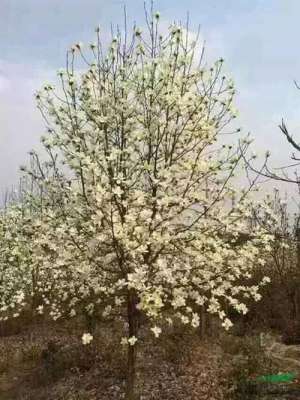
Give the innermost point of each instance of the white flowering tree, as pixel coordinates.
(14, 263)
(22, 282)
(146, 225)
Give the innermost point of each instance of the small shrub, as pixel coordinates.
(15, 326)
(5, 361)
(31, 353)
(174, 345)
(248, 361)
(57, 361)
(291, 333)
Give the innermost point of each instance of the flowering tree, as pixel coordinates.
(14, 263)
(145, 224)
(22, 282)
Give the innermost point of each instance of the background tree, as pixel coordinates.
(286, 249)
(21, 280)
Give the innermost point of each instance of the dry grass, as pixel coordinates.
(47, 361)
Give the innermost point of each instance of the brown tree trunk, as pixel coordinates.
(296, 295)
(202, 322)
(132, 317)
(208, 324)
(296, 299)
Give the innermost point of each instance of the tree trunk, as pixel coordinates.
(91, 323)
(296, 295)
(132, 316)
(297, 305)
(294, 301)
(202, 322)
(208, 324)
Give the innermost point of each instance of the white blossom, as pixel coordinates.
(156, 331)
(132, 340)
(86, 338)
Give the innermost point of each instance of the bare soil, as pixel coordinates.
(48, 361)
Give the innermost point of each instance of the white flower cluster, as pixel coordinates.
(87, 338)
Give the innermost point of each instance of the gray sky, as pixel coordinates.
(259, 40)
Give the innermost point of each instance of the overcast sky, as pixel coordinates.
(259, 40)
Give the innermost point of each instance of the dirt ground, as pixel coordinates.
(48, 361)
